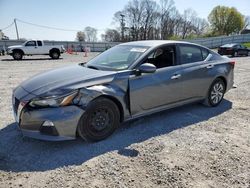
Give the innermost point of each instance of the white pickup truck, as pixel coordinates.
(35, 47)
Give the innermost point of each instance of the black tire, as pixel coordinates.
(17, 55)
(54, 54)
(235, 54)
(215, 93)
(100, 120)
(248, 53)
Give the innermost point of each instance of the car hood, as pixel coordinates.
(65, 78)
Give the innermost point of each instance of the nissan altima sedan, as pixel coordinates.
(128, 81)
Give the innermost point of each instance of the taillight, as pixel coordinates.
(232, 63)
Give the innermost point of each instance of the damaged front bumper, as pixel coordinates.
(53, 124)
(50, 123)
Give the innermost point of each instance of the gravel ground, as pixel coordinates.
(190, 146)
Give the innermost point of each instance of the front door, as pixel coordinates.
(153, 90)
(30, 47)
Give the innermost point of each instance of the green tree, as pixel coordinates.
(226, 20)
(80, 36)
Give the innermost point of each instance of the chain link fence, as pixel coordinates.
(211, 42)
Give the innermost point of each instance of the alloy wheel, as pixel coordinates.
(217, 93)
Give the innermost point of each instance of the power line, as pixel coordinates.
(7, 26)
(47, 27)
(55, 28)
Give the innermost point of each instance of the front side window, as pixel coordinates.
(162, 57)
(190, 54)
(30, 43)
(117, 58)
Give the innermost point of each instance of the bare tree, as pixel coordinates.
(246, 22)
(111, 35)
(200, 26)
(147, 19)
(188, 19)
(91, 34)
(168, 15)
(1, 34)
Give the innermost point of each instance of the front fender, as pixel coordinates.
(113, 92)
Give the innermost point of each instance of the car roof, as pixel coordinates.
(154, 43)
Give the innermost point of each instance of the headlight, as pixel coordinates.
(54, 101)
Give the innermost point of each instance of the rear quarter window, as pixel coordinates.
(215, 56)
(190, 54)
(205, 53)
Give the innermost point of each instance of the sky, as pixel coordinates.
(77, 14)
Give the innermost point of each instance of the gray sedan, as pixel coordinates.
(128, 81)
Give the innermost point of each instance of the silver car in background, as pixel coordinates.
(128, 81)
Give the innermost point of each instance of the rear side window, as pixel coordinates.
(39, 43)
(190, 54)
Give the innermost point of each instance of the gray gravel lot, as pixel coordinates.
(190, 146)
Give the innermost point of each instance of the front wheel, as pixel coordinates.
(99, 121)
(215, 93)
(17, 55)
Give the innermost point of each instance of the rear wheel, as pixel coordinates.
(215, 93)
(54, 54)
(17, 55)
(235, 54)
(248, 53)
(99, 121)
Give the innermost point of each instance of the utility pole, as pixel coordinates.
(16, 29)
(122, 25)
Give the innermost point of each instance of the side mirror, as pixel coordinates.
(147, 68)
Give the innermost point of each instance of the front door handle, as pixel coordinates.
(176, 76)
(210, 66)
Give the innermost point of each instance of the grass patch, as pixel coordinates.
(247, 44)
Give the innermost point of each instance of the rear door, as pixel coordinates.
(195, 73)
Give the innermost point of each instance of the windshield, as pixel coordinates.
(117, 58)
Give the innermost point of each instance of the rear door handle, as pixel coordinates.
(210, 66)
(176, 76)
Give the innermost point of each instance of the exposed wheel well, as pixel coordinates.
(18, 50)
(54, 50)
(117, 102)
